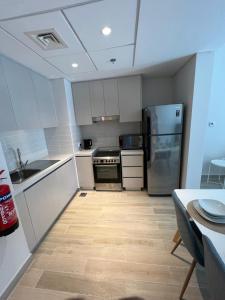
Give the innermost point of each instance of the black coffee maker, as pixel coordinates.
(87, 143)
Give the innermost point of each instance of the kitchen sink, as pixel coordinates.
(20, 176)
(30, 170)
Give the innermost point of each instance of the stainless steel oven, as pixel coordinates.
(107, 170)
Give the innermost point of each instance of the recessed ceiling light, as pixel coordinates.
(75, 65)
(106, 30)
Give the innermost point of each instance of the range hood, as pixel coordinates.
(105, 118)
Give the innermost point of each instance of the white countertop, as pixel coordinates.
(18, 188)
(83, 152)
(187, 195)
(132, 152)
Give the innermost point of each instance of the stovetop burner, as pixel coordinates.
(106, 153)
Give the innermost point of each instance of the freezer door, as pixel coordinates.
(164, 119)
(163, 166)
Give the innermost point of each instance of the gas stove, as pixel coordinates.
(107, 170)
(106, 157)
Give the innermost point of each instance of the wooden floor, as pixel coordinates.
(111, 245)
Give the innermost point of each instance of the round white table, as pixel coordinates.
(187, 195)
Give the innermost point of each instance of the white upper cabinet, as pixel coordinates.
(111, 97)
(7, 116)
(22, 94)
(82, 103)
(97, 98)
(130, 103)
(119, 96)
(45, 100)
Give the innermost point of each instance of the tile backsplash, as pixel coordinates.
(62, 140)
(31, 142)
(107, 134)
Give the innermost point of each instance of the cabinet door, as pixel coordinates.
(82, 103)
(66, 183)
(21, 90)
(111, 97)
(45, 100)
(85, 172)
(25, 219)
(47, 198)
(133, 184)
(42, 201)
(97, 98)
(129, 91)
(7, 116)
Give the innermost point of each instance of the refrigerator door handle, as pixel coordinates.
(148, 137)
(148, 126)
(148, 148)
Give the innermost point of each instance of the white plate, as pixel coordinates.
(206, 216)
(212, 207)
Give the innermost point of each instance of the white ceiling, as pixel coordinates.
(148, 36)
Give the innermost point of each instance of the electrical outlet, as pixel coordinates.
(211, 124)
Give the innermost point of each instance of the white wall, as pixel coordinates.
(74, 129)
(31, 143)
(65, 137)
(184, 89)
(215, 137)
(14, 251)
(157, 91)
(107, 134)
(193, 87)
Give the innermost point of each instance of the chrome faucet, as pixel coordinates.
(21, 165)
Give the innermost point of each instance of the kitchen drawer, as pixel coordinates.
(132, 161)
(133, 183)
(132, 171)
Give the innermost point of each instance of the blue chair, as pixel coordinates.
(215, 270)
(191, 237)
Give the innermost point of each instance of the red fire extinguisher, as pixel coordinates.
(8, 217)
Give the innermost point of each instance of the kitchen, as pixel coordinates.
(95, 136)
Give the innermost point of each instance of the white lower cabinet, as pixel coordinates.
(25, 220)
(85, 172)
(46, 199)
(133, 184)
(132, 172)
(132, 160)
(132, 169)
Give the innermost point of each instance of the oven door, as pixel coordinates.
(108, 177)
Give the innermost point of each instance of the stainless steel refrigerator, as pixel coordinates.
(162, 131)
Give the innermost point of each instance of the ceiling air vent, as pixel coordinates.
(47, 39)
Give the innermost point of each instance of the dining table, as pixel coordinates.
(207, 228)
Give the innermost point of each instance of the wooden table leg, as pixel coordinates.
(176, 236)
(193, 264)
(176, 245)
